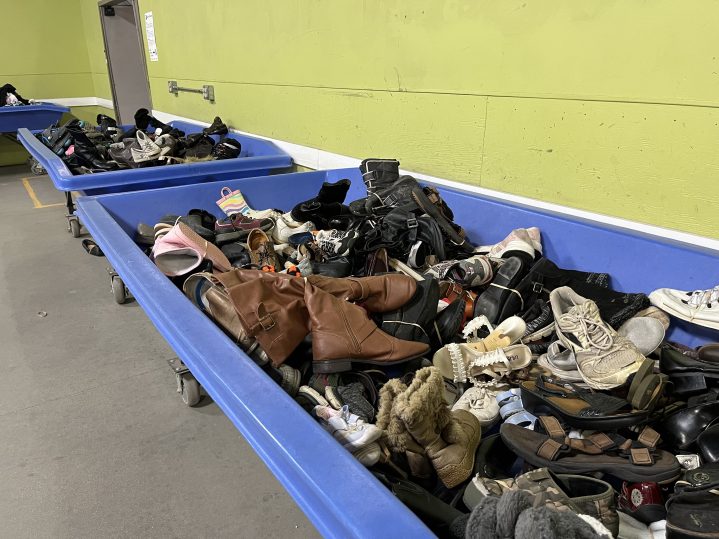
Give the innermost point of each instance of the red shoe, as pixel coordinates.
(643, 501)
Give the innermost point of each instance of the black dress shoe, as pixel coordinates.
(681, 429)
(708, 444)
(689, 375)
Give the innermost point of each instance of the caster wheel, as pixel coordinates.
(118, 290)
(75, 228)
(190, 392)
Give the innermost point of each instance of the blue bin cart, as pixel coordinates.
(340, 497)
(258, 157)
(37, 116)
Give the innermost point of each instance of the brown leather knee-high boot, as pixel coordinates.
(342, 333)
(271, 307)
(379, 293)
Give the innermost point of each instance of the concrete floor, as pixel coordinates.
(95, 442)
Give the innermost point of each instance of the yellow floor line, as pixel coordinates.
(36, 201)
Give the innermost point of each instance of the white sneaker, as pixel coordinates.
(283, 230)
(481, 402)
(348, 429)
(148, 150)
(700, 307)
(604, 358)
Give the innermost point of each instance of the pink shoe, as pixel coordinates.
(182, 250)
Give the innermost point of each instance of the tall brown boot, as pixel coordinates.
(450, 439)
(342, 333)
(271, 307)
(379, 293)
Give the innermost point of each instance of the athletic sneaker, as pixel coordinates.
(347, 428)
(148, 151)
(700, 307)
(336, 242)
(604, 358)
(284, 229)
(471, 272)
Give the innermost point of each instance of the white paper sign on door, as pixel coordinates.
(150, 31)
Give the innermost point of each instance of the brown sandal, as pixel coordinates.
(610, 453)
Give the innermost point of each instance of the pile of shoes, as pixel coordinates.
(9, 97)
(492, 391)
(86, 149)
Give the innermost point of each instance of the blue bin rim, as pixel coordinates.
(65, 180)
(339, 495)
(35, 107)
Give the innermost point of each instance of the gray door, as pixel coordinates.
(125, 58)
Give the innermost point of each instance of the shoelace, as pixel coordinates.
(704, 297)
(330, 241)
(596, 333)
(352, 426)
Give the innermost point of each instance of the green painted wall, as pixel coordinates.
(603, 105)
(56, 52)
(48, 57)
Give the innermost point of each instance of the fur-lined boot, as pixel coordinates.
(450, 439)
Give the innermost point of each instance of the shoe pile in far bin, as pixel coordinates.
(86, 149)
(493, 392)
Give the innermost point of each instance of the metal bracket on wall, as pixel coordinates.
(207, 91)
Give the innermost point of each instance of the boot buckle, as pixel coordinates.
(265, 318)
(412, 223)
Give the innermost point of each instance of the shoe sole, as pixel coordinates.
(329, 366)
(540, 333)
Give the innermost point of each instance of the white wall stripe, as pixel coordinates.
(320, 159)
(80, 101)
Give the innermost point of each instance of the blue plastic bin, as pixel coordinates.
(258, 157)
(340, 497)
(37, 116)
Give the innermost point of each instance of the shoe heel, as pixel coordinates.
(331, 366)
(534, 404)
(686, 384)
